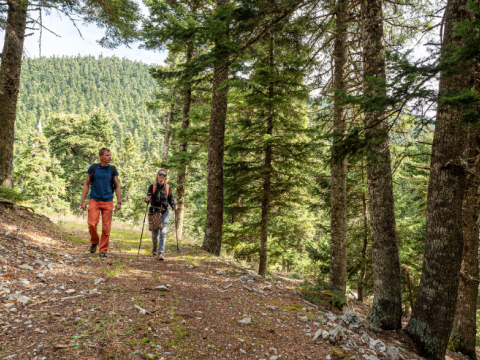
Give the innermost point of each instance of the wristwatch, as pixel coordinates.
(119, 203)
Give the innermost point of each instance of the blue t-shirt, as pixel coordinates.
(101, 187)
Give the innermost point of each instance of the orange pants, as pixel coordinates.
(94, 209)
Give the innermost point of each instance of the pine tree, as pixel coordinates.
(177, 25)
(269, 149)
(463, 336)
(386, 311)
(338, 257)
(433, 313)
(212, 241)
(9, 84)
(236, 27)
(75, 141)
(38, 176)
(117, 17)
(135, 176)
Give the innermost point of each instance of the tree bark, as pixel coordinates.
(386, 311)
(262, 268)
(338, 209)
(409, 286)
(10, 69)
(433, 313)
(187, 100)
(463, 334)
(213, 230)
(363, 265)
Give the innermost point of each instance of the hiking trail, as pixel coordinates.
(58, 301)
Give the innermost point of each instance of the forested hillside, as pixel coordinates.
(78, 85)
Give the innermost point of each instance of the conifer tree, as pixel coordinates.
(117, 17)
(114, 88)
(268, 151)
(463, 336)
(135, 177)
(75, 141)
(38, 176)
(216, 139)
(386, 311)
(338, 257)
(235, 28)
(175, 25)
(433, 313)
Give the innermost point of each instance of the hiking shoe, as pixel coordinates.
(102, 255)
(154, 251)
(93, 248)
(161, 257)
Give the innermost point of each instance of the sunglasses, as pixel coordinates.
(160, 174)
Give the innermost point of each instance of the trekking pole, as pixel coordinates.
(176, 228)
(143, 226)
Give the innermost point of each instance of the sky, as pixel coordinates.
(71, 44)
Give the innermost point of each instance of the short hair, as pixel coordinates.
(103, 150)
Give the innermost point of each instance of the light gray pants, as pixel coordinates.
(159, 237)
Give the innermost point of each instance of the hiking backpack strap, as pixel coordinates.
(154, 188)
(113, 184)
(168, 189)
(92, 175)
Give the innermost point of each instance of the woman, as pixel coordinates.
(161, 197)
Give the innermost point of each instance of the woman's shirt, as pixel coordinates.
(160, 199)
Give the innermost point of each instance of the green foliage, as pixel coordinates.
(321, 294)
(79, 85)
(75, 141)
(135, 177)
(11, 194)
(39, 176)
(88, 103)
(269, 111)
(118, 18)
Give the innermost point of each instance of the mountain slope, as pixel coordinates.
(79, 84)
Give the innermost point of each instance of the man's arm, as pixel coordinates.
(118, 193)
(85, 192)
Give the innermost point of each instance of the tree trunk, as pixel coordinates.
(262, 268)
(166, 139)
(187, 100)
(463, 333)
(433, 313)
(386, 311)
(363, 265)
(409, 286)
(238, 216)
(10, 67)
(338, 249)
(213, 230)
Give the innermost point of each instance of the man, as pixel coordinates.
(104, 179)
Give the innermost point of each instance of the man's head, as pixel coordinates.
(105, 155)
(162, 176)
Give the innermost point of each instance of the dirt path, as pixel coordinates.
(57, 301)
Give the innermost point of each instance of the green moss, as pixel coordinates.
(131, 343)
(337, 354)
